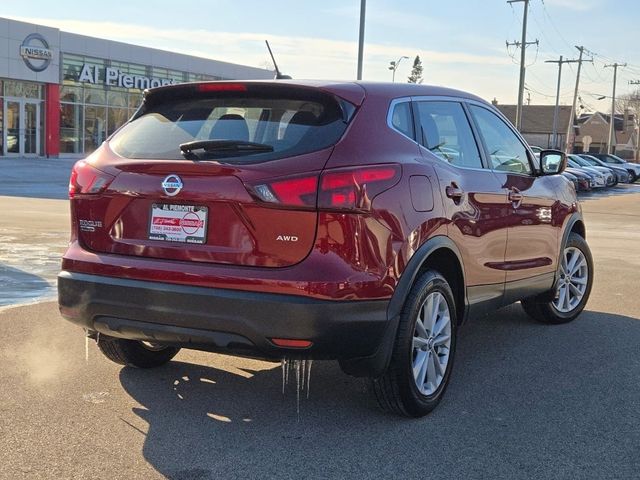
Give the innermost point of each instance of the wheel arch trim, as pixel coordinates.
(376, 365)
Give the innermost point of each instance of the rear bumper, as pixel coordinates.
(229, 321)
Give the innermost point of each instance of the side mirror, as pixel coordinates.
(552, 162)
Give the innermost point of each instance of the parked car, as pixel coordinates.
(573, 179)
(632, 168)
(599, 178)
(586, 181)
(317, 220)
(609, 177)
(621, 174)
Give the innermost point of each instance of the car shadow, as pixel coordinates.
(518, 387)
(19, 286)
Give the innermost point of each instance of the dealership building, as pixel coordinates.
(62, 94)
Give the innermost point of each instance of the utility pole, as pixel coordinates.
(637, 113)
(612, 135)
(554, 138)
(523, 47)
(570, 128)
(363, 7)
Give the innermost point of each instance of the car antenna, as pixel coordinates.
(279, 75)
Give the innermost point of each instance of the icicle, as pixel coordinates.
(309, 363)
(297, 367)
(288, 366)
(283, 365)
(304, 370)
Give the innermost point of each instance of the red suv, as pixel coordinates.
(358, 222)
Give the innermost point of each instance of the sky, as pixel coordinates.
(461, 43)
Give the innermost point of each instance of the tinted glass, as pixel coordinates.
(590, 161)
(402, 120)
(290, 126)
(445, 131)
(506, 151)
(580, 161)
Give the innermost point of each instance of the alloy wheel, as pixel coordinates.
(572, 285)
(431, 343)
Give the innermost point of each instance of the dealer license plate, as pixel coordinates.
(178, 223)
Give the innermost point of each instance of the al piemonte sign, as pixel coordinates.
(35, 52)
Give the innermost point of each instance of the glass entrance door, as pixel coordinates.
(22, 132)
(12, 130)
(31, 128)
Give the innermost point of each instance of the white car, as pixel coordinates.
(632, 168)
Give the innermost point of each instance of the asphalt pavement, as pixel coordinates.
(526, 400)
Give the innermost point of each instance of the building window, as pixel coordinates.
(70, 128)
(94, 106)
(95, 127)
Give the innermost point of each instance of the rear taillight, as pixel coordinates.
(354, 188)
(339, 189)
(87, 180)
(297, 191)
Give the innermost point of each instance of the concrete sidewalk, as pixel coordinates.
(36, 177)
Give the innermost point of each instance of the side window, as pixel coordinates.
(506, 151)
(445, 131)
(401, 119)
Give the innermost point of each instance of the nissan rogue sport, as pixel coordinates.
(357, 222)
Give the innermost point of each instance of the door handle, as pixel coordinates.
(515, 197)
(454, 192)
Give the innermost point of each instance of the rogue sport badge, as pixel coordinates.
(172, 185)
(35, 52)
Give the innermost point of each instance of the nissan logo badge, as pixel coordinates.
(36, 53)
(172, 185)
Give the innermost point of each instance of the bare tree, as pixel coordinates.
(630, 103)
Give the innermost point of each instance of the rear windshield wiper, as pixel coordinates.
(223, 147)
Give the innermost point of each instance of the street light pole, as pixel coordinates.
(393, 65)
(363, 7)
(610, 146)
(637, 113)
(572, 115)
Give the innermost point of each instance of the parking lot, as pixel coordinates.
(526, 400)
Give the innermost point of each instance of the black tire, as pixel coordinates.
(633, 175)
(542, 309)
(396, 390)
(133, 353)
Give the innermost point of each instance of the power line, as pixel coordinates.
(523, 49)
(546, 12)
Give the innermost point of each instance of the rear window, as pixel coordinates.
(251, 127)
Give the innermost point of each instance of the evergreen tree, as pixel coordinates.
(416, 71)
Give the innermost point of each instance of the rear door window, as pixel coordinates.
(445, 131)
(244, 127)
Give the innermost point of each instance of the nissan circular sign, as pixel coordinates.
(172, 185)
(35, 52)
